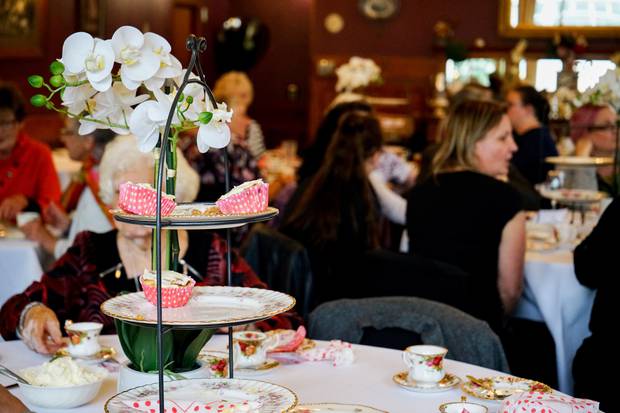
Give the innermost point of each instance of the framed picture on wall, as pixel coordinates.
(92, 17)
(22, 28)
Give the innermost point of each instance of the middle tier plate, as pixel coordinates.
(211, 306)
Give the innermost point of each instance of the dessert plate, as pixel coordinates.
(580, 160)
(198, 215)
(500, 387)
(335, 408)
(448, 382)
(210, 306)
(186, 395)
(575, 196)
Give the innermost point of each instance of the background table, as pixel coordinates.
(552, 294)
(20, 265)
(367, 381)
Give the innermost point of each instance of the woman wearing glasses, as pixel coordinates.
(594, 129)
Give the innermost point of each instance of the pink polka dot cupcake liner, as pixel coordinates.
(251, 200)
(141, 200)
(171, 297)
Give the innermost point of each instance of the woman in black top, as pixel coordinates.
(463, 215)
(335, 215)
(596, 267)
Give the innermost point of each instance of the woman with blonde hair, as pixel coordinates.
(465, 216)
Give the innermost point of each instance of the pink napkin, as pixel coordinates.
(546, 403)
(339, 352)
(289, 340)
(185, 406)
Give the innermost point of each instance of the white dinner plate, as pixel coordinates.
(335, 408)
(210, 306)
(202, 393)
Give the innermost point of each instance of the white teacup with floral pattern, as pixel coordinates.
(250, 348)
(425, 363)
(83, 338)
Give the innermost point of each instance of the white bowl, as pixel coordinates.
(61, 397)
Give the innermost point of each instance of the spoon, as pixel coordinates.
(12, 375)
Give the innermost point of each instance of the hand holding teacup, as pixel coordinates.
(83, 338)
(425, 363)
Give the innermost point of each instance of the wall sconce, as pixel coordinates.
(325, 67)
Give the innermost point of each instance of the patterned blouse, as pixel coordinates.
(84, 277)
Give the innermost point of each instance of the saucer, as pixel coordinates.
(448, 382)
(261, 369)
(105, 353)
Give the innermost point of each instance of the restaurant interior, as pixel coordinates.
(308, 205)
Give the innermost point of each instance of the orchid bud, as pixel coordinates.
(205, 117)
(38, 101)
(189, 100)
(56, 68)
(35, 81)
(57, 80)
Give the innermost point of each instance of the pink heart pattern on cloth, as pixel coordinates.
(251, 200)
(534, 402)
(142, 200)
(170, 297)
(183, 406)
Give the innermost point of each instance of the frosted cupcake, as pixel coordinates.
(247, 198)
(176, 288)
(141, 199)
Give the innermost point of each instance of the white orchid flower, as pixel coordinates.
(138, 61)
(216, 133)
(83, 53)
(75, 97)
(169, 66)
(148, 120)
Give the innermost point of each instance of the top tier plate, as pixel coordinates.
(211, 306)
(579, 161)
(186, 216)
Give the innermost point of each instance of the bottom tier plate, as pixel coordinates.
(206, 395)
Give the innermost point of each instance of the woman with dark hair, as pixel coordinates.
(463, 215)
(528, 111)
(336, 216)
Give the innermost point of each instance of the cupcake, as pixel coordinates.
(176, 288)
(249, 197)
(141, 199)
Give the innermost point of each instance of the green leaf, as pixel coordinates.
(57, 80)
(205, 117)
(38, 101)
(57, 68)
(35, 81)
(193, 349)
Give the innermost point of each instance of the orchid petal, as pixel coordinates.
(154, 83)
(129, 83)
(101, 85)
(103, 49)
(216, 135)
(172, 70)
(140, 124)
(75, 49)
(87, 127)
(144, 68)
(148, 143)
(157, 43)
(126, 36)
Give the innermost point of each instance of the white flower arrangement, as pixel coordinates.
(102, 98)
(606, 90)
(357, 73)
(564, 102)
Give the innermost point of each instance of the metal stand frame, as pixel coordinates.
(196, 45)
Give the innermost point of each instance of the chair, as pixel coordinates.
(281, 262)
(467, 339)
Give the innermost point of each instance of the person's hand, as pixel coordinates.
(56, 217)
(41, 330)
(10, 403)
(11, 206)
(36, 231)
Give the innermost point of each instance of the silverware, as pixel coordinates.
(12, 375)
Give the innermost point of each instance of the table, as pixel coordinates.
(552, 294)
(368, 381)
(20, 265)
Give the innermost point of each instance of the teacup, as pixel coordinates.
(462, 406)
(425, 363)
(83, 338)
(250, 348)
(25, 217)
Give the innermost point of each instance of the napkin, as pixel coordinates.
(186, 406)
(288, 340)
(534, 402)
(340, 353)
(552, 216)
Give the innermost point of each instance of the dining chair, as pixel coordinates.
(366, 320)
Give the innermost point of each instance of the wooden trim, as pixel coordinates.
(28, 47)
(529, 30)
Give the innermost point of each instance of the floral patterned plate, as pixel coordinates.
(197, 215)
(500, 387)
(448, 382)
(217, 361)
(189, 394)
(208, 307)
(335, 408)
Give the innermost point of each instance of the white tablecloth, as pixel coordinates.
(19, 266)
(552, 294)
(368, 381)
